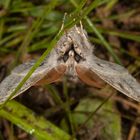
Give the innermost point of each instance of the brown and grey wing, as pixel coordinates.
(114, 74)
(45, 70)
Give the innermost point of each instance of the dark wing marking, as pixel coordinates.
(115, 75)
(8, 85)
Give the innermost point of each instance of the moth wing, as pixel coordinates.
(114, 74)
(89, 77)
(48, 69)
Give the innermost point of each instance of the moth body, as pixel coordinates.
(72, 57)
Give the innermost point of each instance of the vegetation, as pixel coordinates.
(30, 30)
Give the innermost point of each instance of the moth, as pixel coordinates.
(72, 57)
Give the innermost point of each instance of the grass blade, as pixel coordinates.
(32, 124)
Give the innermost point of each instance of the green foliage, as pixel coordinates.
(31, 123)
(30, 27)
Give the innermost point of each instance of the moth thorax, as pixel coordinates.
(72, 54)
(71, 73)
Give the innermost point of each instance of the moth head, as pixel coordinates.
(82, 45)
(74, 41)
(71, 55)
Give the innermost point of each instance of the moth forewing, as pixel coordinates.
(49, 65)
(115, 75)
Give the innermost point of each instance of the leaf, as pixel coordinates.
(35, 125)
(105, 124)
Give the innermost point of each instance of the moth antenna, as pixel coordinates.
(63, 21)
(77, 29)
(65, 14)
(82, 29)
(84, 34)
(81, 25)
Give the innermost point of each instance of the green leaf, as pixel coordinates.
(35, 125)
(106, 121)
